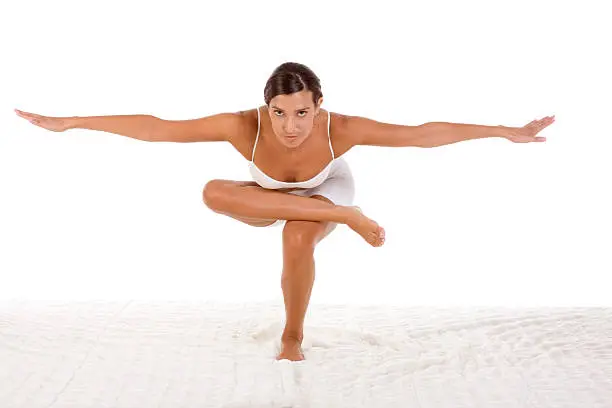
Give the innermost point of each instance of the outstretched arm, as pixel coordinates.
(134, 126)
(148, 128)
(447, 133)
(364, 131)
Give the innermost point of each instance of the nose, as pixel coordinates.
(290, 126)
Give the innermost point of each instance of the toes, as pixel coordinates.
(376, 241)
(376, 238)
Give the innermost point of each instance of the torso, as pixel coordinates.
(308, 160)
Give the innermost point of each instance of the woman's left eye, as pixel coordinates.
(304, 112)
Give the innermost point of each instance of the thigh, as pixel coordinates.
(255, 222)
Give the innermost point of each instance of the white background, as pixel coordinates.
(87, 214)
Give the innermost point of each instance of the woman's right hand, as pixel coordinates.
(46, 122)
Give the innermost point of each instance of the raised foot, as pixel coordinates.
(369, 229)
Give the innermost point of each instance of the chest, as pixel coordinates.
(293, 167)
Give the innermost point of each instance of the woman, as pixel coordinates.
(294, 149)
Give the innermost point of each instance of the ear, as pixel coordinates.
(319, 103)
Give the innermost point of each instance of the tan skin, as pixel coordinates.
(291, 161)
(309, 219)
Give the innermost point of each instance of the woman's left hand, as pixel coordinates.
(528, 132)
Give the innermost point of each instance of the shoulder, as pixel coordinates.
(341, 132)
(245, 122)
(352, 130)
(249, 117)
(343, 129)
(338, 120)
(244, 137)
(342, 124)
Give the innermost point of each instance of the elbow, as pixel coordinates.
(157, 130)
(419, 136)
(427, 135)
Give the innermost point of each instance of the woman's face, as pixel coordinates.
(292, 117)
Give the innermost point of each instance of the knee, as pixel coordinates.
(213, 193)
(298, 240)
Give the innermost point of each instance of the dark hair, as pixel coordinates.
(292, 77)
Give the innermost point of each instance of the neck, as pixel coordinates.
(290, 150)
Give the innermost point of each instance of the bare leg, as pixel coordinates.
(242, 199)
(256, 202)
(299, 241)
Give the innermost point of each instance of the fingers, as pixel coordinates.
(542, 123)
(528, 132)
(31, 117)
(547, 120)
(539, 124)
(27, 114)
(23, 114)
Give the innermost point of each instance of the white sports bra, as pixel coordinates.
(266, 181)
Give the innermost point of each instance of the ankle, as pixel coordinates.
(292, 336)
(346, 215)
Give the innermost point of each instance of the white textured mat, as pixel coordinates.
(190, 354)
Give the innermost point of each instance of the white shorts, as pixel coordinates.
(339, 187)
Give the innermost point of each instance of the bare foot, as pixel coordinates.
(291, 349)
(369, 229)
